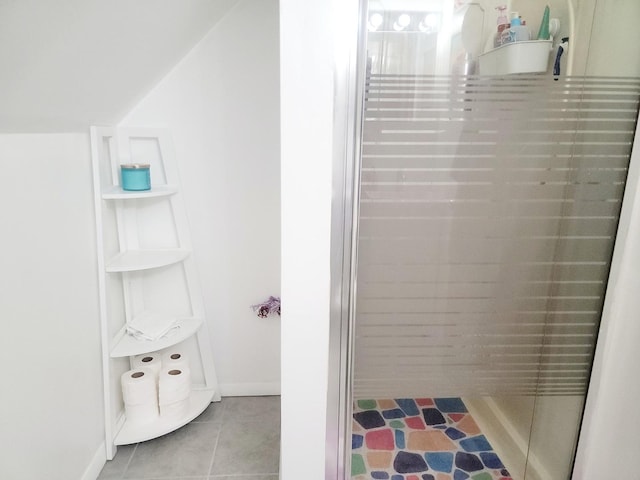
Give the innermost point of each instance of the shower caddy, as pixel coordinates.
(145, 269)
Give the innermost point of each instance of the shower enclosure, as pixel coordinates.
(489, 196)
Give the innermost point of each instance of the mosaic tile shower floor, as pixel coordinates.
(420, 439)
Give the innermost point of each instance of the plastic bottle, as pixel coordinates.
(503, 21)
(543, 33)
(503, 24)
(519, 30)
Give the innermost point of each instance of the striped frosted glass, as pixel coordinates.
(488, 212)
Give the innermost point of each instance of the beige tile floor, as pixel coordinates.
(236, 439)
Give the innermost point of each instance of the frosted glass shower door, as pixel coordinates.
(488, 212)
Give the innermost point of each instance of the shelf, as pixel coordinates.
(127, 345)
(117, 193)
(529, 56)
(133, 260)
(148, 272)
(129, 433)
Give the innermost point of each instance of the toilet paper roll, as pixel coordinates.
(141, 414)
(174, 385)
(152, 361)
(175, 410)
(138, 386)
(175, 359)
(140, 395)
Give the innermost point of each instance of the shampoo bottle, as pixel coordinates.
(519, 31)
(503, 24)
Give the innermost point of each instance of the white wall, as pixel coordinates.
(312, 43)
(69, 64)
(221, 104)
(51, 421)
(606, 37)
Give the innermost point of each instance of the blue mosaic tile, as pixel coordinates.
(440, 461)
(468, 462)
(397, 477)
(460, 475)
(432, 416)
(476, 444)
(450, 405)
(440, 427)
(428, 476)
(454, 433)
(491, 460)
(408, 405)
(369, 419)
(406, 462)
(380, 475)
(356, 441)
(395, 413)
(400, 440)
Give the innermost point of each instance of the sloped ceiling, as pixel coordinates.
(68, 64)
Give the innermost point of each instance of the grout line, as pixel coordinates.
(215, 448)
(221, 404)
(124, 472)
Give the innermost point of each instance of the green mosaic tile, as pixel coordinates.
(367, 404)
(396, 424)
(482, 476)
(357, 465)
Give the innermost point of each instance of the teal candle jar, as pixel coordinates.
(135, 176)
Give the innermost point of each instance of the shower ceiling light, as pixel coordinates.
(375, 20)
(402, 22)
(430, 23)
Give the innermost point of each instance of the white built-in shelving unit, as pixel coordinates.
(146, 270)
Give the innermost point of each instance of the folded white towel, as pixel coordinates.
(152, 327)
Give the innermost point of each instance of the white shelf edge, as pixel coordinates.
(133, 260)
(129, 433)
(127, 345)
(117, 193)
(510, 45)
(525, 56)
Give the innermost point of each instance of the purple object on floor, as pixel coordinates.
(264, 309)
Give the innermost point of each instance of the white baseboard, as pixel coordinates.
(249, 389)
(97, 463)
(512, 449)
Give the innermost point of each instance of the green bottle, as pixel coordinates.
(543, 33)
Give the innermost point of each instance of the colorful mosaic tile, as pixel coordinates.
(420, 439)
